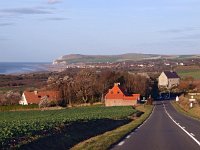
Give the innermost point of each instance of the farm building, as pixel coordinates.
(118, 97)
(168, 79)
(36, 96)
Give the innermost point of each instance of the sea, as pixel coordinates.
(22, 67)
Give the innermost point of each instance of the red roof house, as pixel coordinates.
(36, 96)
(118, 97)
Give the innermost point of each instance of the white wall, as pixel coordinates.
(162, 80)
(23, 101)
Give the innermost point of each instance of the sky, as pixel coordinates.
(43, 30)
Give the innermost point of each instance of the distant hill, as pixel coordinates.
(78, 58)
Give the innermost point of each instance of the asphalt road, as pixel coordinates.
(165, 129)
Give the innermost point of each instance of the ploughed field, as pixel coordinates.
(19, 125)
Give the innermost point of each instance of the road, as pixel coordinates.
(165, 129)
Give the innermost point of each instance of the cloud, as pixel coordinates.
(27, 11)
(6, 24)
(187, 29)
(53, 1)
(56, 19)
(3, 39)
(189, 37)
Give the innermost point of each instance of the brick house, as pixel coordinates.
(118, 97)
(168, 79)
(36, 96)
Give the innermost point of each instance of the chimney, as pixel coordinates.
(36, 92)
(116, 84)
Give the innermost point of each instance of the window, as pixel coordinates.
(118, 92)
(39, 96)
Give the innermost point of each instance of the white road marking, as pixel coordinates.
(189, 134)
(121, 143)
(192, 134)
(183, 127)
(128, 136)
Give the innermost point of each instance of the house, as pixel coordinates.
(36, 96)
(118, 97)
(168, 79)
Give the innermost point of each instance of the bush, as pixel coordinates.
(45, 102)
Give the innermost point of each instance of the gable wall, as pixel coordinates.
(163, 80)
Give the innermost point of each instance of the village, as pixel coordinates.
(117, 96)
(81, 99)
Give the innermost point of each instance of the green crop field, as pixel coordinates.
(189, 73)
(15, 125)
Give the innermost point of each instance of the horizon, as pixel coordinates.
(43, 30)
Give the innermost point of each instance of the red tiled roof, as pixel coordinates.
(118, 93)
(35, 97)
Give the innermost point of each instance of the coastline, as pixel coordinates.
(17, 68)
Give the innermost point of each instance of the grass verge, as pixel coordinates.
(193, 112)
(106, 140)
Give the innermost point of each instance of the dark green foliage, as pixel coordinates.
(15, 125)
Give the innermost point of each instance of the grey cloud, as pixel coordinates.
(189, 37)
(3, 39)
(26, 11)
(56, 19)
(6, 24)
(188, 29)
(53, 1)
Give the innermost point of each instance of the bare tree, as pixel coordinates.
(11, 98)
(85, 84)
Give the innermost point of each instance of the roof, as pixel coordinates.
(171, 74)
(118, 92)
(36, 96)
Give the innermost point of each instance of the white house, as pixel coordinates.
(168, 79)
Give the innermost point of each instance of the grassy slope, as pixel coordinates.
(105, 58)
(194, 112)
(104, 141)
(193, 73)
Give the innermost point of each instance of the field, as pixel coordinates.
(21, 126)
(189, 73)
(106, 140)
(18, 107)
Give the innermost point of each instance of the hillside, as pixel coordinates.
(78, 58)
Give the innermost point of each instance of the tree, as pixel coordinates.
(105, 79)
(85, 85)
(187, 84)
(11, 98)
(44, 102)
(68, 89)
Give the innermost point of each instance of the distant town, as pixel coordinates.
(145, 63)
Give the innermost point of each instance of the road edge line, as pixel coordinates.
(192, 137)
